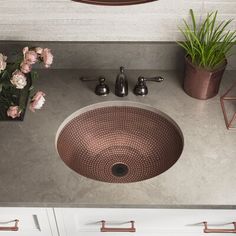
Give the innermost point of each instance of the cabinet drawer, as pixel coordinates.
(32, 221)
(87, 221)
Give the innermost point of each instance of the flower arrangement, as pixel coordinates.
(16, 82)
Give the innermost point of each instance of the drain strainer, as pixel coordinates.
(119, 169)
(119, 142)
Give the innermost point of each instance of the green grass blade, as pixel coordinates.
(193, 20)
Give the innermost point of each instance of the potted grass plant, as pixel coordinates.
(207, 46)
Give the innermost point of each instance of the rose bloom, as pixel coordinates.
(13, 111)
(38, 50)
(47, 57)
(25, 49)
(25, 67)
(30, 57)
(18, 79)
(37, 101)
(3, 63)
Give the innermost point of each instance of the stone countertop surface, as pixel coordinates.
(32, 173)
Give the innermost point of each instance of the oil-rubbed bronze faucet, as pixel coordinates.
(121, 86)
(102, 88)
(141, 89)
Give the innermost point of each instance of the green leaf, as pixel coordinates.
(34, 75)
(208, 43)
(193, 20)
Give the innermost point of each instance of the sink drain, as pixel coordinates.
(119, 169)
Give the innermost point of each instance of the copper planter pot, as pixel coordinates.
(200, 83)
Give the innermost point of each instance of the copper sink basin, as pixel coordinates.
(119, 142)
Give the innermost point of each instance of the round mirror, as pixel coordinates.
(114, 2)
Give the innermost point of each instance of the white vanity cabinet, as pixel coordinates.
(88, 221)
(32, 222)
(150, 222)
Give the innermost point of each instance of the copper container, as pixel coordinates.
(201, 83)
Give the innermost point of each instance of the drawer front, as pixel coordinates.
(87, 221)
(32, 221)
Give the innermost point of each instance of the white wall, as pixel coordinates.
(64, 20)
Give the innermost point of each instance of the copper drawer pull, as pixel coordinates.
(206, 230)
(106, 229)
(10, 228)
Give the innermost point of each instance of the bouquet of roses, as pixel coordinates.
(16, 82)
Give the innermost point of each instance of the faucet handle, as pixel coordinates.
(102, 88)
(85, 79)
(155, 79)
(141, 89)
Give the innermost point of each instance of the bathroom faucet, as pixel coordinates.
(121, 86)
(102, 88)
(141, 88)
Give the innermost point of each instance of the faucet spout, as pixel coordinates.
(121, 86)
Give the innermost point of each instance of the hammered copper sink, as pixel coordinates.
(119, 142)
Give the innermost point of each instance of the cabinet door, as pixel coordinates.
(151, 222)
(31, 222)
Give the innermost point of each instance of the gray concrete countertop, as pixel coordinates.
(32, 173)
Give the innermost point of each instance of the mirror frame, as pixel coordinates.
(114, 2)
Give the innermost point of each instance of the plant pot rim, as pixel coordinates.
(222, 65)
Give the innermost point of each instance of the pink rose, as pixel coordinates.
(3, 63)
(31, 57)
(13, 111)
(47, 57)
(37, 101)
(38, 50)
(25, 49)
(25, 67)
(18, 79)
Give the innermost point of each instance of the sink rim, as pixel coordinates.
(117, 104)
